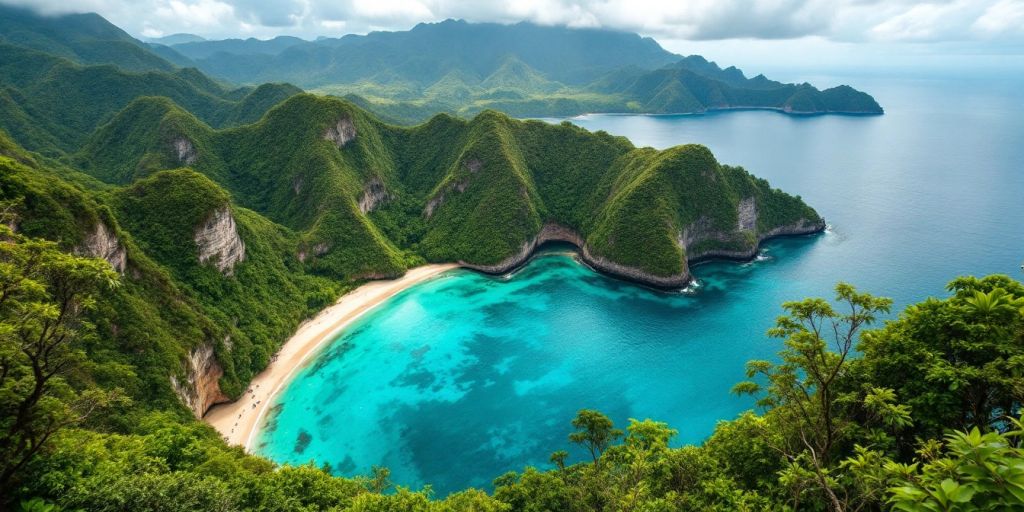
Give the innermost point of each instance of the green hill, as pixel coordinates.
(679, 88)
(172, 304)
(52, 104)
(82, 38)
(362, 193)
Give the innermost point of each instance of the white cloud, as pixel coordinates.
(695, 20)
(1003, 18)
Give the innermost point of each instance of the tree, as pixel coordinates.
(804, 390)
(957, 362)
(558, 459)
(969, 471)
(595, 432)
(977, 472)
(45, 295)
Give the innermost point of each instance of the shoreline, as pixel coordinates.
(714, 111)
(555, 233)
(238, 421)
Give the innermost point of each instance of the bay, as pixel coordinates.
(460, 379)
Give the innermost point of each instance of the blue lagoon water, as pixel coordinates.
(465, 377)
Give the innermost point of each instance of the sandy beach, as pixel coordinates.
(237, 421)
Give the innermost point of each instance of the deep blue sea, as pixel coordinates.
(465, 377)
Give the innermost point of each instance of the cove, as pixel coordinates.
(457, 380)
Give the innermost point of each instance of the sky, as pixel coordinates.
(767, 33)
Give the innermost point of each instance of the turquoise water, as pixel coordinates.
(462, 378)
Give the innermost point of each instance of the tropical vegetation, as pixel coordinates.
(120, 322)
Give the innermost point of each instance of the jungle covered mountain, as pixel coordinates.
(198, 192)
(361, 193)
(364, 196)
(82, 38)
(525, 70)
(461, 68)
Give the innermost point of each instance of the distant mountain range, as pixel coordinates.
(524, 69)
(456, 67)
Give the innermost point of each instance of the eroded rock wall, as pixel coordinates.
(374, 194)
(201, 386)
(184, 151)
(218, 241)
(341, 132)
(101, 242)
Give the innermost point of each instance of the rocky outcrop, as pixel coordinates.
(317, 249)
(184, 151)
(341, 133)
(746, 235)
(436, 201)
(374, 194)
(218, 241)
(558, 233)
(472, 165)
(201, 387)
(103, 243)
(747, 215)
(634, 274)
(548, 233)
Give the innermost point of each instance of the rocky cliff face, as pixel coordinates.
(218, 241)
(747, 215)
(341, 133)
(745, 235)
(184, 151)
(548, 233)
(200, 388)
(317, 249)
(102, 243)
(374, 194)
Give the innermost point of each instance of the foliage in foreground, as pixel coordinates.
(830, 436)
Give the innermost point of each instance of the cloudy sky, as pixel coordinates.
(732, 30)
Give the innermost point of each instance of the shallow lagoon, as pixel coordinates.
(460, 379)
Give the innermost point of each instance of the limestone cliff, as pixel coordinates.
(101, 242)
(200, 388)
(341, 132)
(218, 241)
(374, 194)
(184, 151)
(548, 233)
(744, 236)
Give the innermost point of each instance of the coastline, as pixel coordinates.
(238, 421)
(557, 233)
(717, 110)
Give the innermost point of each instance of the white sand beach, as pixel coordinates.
(238, 421)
